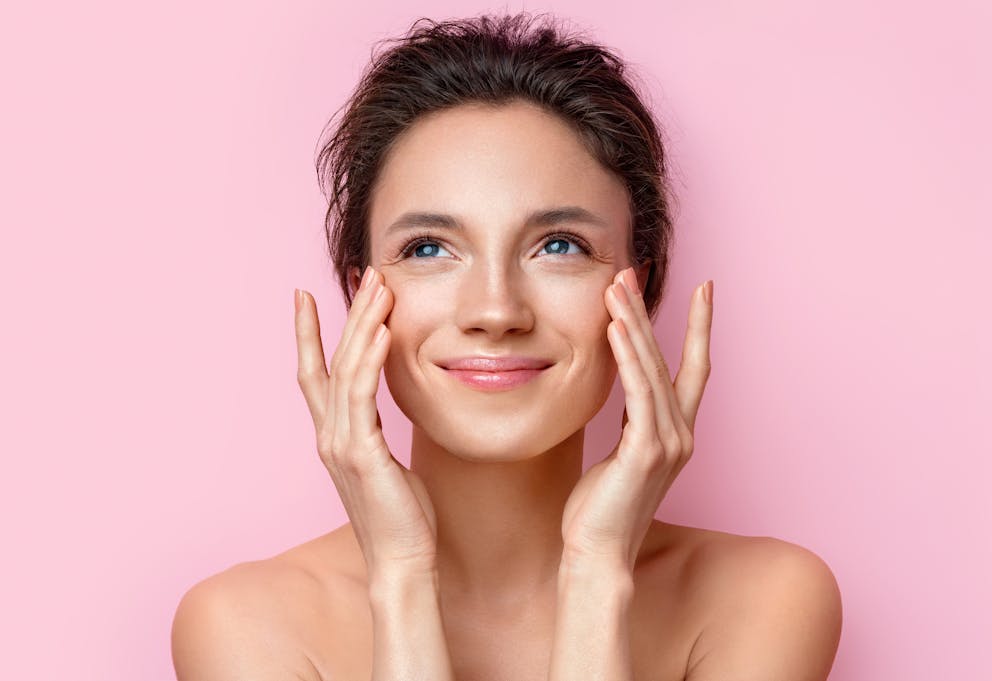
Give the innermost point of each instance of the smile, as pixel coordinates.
(494, 381)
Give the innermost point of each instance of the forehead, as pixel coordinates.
(482, 162)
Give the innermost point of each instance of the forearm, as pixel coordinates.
(591, 640)
(408, 642)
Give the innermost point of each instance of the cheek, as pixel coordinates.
(583, 322)
(579, 308)
(417, 306)
(417, 312)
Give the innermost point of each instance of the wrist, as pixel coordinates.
(580, 564)
(397, 584)
(601, 576)
(592, 622)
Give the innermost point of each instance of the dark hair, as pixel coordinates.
(496, 60)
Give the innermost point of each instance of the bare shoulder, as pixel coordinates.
(334, 556)
(738, 566)
(243, 622)
(275, 616)
(729, 558)
(771, 609)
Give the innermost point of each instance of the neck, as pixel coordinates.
(498, 523)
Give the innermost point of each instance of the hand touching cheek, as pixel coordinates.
(611, 508)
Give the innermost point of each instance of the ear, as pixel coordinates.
(354, 279)
(642, 275)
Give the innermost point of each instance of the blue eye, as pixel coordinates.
(422, 247)
(426, 248)
(559, 250)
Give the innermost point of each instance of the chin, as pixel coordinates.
(492, 444)
(491, 439)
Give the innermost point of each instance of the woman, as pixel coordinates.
(500, 223)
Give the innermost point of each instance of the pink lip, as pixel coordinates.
(494, 381)
(494, 373)
(493, 363)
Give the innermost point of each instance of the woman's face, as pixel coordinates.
(496, 282)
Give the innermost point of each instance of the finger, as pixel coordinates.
(695, 368)
(649, 356)
(352, 355)
(637, 388)
(640, 315)
(311, 371)
(656, 360)
(358, 303)
(364, 412)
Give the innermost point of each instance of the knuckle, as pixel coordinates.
(688, 444)
(655, 461)
(325, 444)
(358, 396)
(339, 445)
(655, 444)
(667, 460)
(652, 449)
(672, 445)
(349, 465)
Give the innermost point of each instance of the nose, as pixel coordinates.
(493, 300)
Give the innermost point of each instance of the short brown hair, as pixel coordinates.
(496, 60)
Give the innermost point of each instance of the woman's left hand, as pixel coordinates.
(611, 508)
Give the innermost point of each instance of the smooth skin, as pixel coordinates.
(495, 507)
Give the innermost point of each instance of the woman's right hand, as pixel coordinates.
(390, 511)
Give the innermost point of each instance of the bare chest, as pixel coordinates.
(510, 646)
(669, 609)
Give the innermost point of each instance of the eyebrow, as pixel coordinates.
(538, 218)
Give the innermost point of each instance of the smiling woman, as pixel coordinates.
(500, 225)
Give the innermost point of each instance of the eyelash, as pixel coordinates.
(587, 250)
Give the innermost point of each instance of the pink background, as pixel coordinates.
(160, 205)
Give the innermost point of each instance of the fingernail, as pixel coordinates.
(297, 298)
(708, 291)
(365, 277)
(618, 291)
(631, 280)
